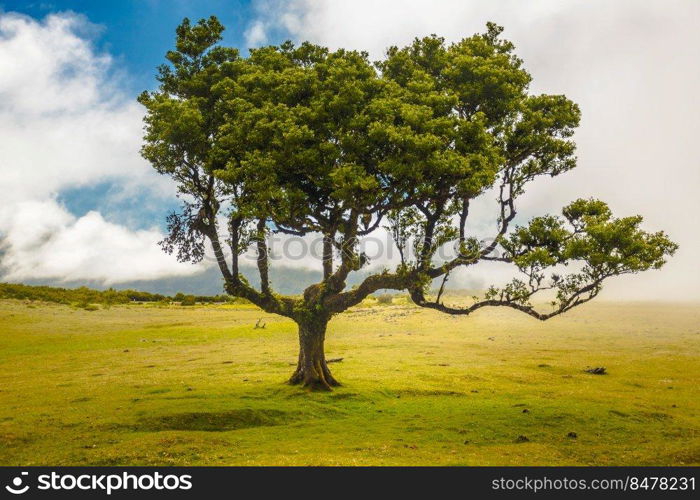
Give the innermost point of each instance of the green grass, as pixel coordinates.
(170, 385)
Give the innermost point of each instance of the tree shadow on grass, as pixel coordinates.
(215, 421)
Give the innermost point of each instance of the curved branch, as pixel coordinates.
(506, 199)
(372, 227)
(349, 260)
(237, 286)
(580, 297)
(339, 302)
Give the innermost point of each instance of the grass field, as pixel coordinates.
(172, 385)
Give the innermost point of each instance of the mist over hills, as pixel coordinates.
(287, 281)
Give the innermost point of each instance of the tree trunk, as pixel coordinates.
(312, 370)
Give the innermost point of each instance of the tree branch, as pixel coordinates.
(263, 260)
(581, 296)
(349, 260)
(339, 302)
(327, 256)
(506, 199)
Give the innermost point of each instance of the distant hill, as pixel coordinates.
(287, 281)
(284, 280)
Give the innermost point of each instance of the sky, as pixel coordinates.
(80, 205)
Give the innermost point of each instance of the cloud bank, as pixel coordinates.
(64, 124)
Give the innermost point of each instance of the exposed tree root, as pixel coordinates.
(314, 375)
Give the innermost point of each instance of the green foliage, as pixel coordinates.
(588, 234)
(303, 139)
(188, 300)
(300, 135)
(607, 245)
(84, 297)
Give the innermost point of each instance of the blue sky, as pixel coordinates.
(139, 32)
(136, 34)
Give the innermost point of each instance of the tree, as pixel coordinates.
(302, 139)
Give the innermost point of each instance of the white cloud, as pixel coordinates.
(256, 34)
(49, 242)
(632, 67)
(65, 124)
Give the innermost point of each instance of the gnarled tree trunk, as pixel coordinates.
(312, 370)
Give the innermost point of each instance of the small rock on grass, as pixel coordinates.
(599, 370)
(521, 439)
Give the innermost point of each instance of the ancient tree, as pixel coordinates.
(305, 140)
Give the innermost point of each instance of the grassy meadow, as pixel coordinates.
(157, 384)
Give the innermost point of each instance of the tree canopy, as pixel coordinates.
(304, 139)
